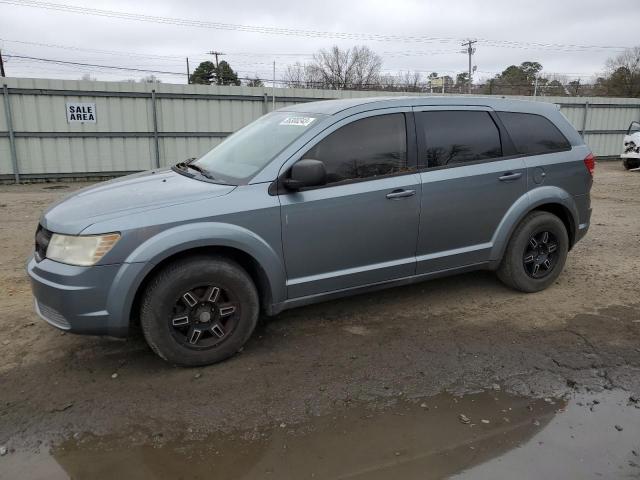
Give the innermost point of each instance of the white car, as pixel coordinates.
(631, 147)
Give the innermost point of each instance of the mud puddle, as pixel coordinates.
(486, 435)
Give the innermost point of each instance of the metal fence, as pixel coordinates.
(141, 126)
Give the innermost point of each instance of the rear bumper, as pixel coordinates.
(583, 205)
(582, 229)
(88, 300)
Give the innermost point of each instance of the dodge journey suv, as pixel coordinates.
(310, 203)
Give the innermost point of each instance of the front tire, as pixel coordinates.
(199, 310)
(536, 253)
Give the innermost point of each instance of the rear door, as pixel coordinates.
(469, 180)
(362, 226)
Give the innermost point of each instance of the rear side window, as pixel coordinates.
(457, 137)
(367, 148)
(533, 134)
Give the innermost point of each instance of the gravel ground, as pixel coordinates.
(458, 335)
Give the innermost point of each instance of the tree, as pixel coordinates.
(411, 82)
(225, 75)
(462, 80)
(150, 79)
(554, 88)
(207, 73)
(356, 68)
(530, 70)
(254, 82)
(515, 79)
(301, 76)
(402, 82)
(623, 74)
(574, 88)
(204, 74)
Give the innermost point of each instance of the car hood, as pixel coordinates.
(133, 193)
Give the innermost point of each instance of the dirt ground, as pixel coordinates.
(459, 335)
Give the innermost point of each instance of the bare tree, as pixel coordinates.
(150, 79)
(354, 68)
(402, 82)
(623, 73)
(302, 76)
(411, 82)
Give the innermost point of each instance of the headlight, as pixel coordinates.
(80, 250)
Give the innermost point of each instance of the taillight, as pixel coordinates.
(590, 163)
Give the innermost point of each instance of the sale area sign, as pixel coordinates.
(81, 112)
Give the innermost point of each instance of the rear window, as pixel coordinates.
(457, 137)
(533, 134)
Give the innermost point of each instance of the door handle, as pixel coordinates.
(401, 193)
(510, 176)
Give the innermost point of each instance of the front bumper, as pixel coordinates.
(89, 300)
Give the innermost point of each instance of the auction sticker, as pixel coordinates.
(297, 121)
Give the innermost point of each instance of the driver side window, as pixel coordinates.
(366, 148)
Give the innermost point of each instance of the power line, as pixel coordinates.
(92, 50)
(181, 74)
(82, 10)
(65, 62)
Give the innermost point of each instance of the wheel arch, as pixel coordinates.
(547, 199)
(242, 258)
(254, 254)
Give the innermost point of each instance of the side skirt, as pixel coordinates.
(372, 287)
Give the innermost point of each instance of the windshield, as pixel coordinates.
(249, 150)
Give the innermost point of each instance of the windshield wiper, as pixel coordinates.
(188, 164)
(202, 171)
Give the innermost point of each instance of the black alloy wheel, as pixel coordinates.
(539, 257)
(204, 316)
(199, 310)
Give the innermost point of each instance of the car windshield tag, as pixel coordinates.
(297, 121)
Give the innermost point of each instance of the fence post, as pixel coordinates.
(584, 119)
(12, 138)
(154, 108)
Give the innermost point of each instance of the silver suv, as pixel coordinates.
(313, 202)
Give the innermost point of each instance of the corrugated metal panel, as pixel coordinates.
(77, 155)
(5, 157)
(195, 121)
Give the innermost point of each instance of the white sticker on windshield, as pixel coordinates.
(297, 121)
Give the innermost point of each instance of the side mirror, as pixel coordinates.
(306, 173)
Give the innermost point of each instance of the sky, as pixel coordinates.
(570, 38)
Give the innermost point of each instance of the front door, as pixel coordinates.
(361, 227)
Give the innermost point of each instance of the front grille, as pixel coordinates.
(43, 236)
(52, 316)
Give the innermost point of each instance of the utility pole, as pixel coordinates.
(470, 51)
(215, 54)
(188, 72)
(273, 89)
(1, 65)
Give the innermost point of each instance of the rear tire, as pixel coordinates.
(630, 163)
(199, 310)
(536, 253)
